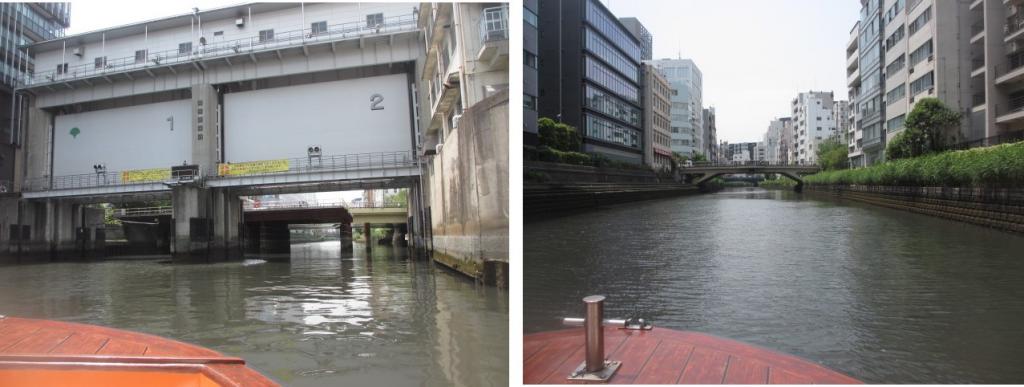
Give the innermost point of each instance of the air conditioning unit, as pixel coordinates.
(931, 90)
(931, 57)
(240, 22)
(455, 121)
(910, 70)
(78, 51)
(437, 149)
(1012, 47)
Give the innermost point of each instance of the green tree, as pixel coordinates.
(926, 126)
(401, 197)
(558, 136)
(832, 154)
(699, 157)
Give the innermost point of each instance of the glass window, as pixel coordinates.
(897, 93)
(921, 53)
(920, 21)
(895, 66)
(608, 131)
(266, 35)
(140, 56)
(613, 30)
(100, 62)
(896, 36)
(529, 102)
(529, 59)
(185, 48)
(896, 123)
(604, 50)
(529, 17)
(318, 27)
(610, 105)
(374, 20)
(921, 84)
(605, 77)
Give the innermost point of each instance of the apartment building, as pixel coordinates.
(774, 148)
(686, 81)
(853, 82)
(813, 123)
(590, 76)
(869, 99)
(710, 141)
(841, 116)
(21, 23)
(657, 107)
(530, 62)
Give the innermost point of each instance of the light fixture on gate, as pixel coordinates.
(101, 172)
(313, 152)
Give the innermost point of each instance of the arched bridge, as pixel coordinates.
(700, 174)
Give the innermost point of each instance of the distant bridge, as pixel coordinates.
(700, 174)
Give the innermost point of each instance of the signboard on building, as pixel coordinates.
(252, 167)
(142, 175)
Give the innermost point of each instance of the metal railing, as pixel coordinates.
(494, 24)
(753, 163)
(336, 163)
(291, 205)
(295, 165)
(990, 141)
(227, 48)
(1013, 24)
(144, 211)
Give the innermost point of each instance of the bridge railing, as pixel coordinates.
(295, 165)
(143, 211)
(704, 164)
(290, 205)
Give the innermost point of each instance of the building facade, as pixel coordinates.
(530, 64)
(21, 24)
(853, 82)
(813, 123)
(657, 108)
(638, 30)
(687, 124)
(590, 76)
(774, 149)
(710, 141)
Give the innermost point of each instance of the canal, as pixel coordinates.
(326, 318)
(884, 296)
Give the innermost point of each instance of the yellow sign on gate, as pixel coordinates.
(142, 175)
(252, 167)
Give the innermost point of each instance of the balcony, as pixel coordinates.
(1014, 69)
(978, 102)
(1015, 111)
(1013, 27)
(977, 31)
(494, 36)
(977, 67)
(200, 57)
(853, 80)
(853, 60)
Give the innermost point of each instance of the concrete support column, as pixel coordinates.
(60, 233)
(345, 235)
(274, 238)
(366, 235)
(192, 228)
(227, 223)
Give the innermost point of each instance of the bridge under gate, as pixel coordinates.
(700, 174)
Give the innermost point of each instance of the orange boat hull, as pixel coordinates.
(51, 353)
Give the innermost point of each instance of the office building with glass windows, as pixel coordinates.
(590, 77)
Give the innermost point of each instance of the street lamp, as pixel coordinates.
(101, 172)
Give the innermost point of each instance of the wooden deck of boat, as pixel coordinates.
(45, 343)
(665, 356)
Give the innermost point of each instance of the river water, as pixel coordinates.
(882, 295)
(325, 318)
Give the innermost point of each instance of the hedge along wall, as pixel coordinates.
(1000, 166)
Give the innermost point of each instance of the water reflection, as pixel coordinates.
(326, 318)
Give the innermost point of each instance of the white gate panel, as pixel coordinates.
(343, 117)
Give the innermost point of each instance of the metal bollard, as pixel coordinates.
(594, 332)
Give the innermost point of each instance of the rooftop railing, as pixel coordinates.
(304, 204)
(212, 50)
(494, 24)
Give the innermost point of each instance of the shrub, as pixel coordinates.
(1000, 166)
(558, 136)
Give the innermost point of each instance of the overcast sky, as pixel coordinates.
(93, 15)
(756, 55)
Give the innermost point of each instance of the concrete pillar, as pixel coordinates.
(274, 238)
(191, 226)
(366, 235)
(345, 235)
(227, 223)
(60, 230)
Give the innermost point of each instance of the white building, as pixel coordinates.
(813, 122)
(773, 140)
(686, 119)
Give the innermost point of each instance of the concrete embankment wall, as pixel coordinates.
(545, 199)
(997, 208)
(555, 172)
(468, 193)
